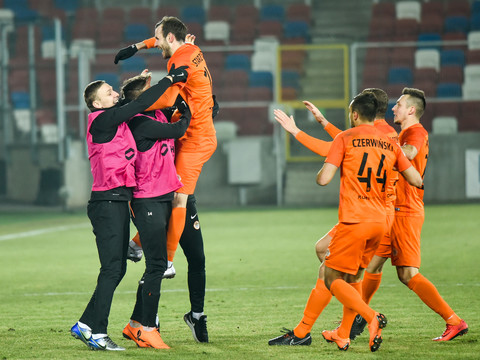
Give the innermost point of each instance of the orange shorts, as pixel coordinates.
(190, 156)
(385, 247)
(405, 236)
(353, 246)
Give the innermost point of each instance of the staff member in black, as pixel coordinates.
(112, 152)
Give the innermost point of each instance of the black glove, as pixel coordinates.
(178, 75)
(186, 114)
(125, 53)
(215, 107)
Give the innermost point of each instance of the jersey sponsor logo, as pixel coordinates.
(129, 154)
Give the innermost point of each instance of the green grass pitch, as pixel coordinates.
(261, 266)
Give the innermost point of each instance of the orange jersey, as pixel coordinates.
(409, 198)
(366, 158)
(197, 90)
(383, 126)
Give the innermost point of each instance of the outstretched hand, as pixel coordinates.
(125, 53)
(316, 113)
(287, 122)
(179, 74)
(190, 39)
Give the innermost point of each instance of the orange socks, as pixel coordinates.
(318, 300)
(350, 298)
(371, 283)
(429, 294)
(175, 230)
(348, 315)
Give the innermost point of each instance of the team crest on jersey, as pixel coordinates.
(196, 225)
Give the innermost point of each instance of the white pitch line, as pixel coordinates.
(49, 230)
(69, 293)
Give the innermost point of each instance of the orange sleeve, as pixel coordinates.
(318, 146)
(150, 42)
(402, 163)
(337, 151)
(167, 99)
(332, 130)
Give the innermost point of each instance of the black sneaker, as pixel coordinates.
(289, 338)
(198, 327)
(357, 327)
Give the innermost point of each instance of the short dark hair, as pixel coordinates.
(416, 99)
(133, 87)
(171, 24)
(382, 100)
(365, 104)
(90, 93)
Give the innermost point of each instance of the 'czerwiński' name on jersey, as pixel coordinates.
(386, 145)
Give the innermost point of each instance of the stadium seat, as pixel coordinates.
(237, 62)
(456, 23)
(447, 108)
(381, 29)
(452, 57)
(431, 23)
(469, 116)
(293, 60)
(246, 11)
(408, 10)
(459, 37)
(444, 125)
(243, 32)
(429, 41)
(7, 15)
(134, 64)
(299, 12)
(473, 56)
(226, 130)
(219, 13)
(291, 79)
(20, 99)
(471, 91)
(18, 80)
(197, 29)
(69, 6)
(272, 12)
(166, 10)
(427, 58)
(458, 8)
(374, 74)
(422, 74)
(192, 14)
(217, 30)
(86, 13)
(114, 14)
(260, 79)
(289, 93)
(263, 61)
(383, 9)
(405, 30)
(471, 73)
(110, 78)
(270, 28)
(449, 90)
(475, 8)
(233, 93)
(429, 87)
(433, 7)
(402, 56)
(234, 78)
(296, 29)
(451, 74)
(259, 94)
(140, 15)
(136, 32)
(400, 75)
(475, 22)
(473, 40)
